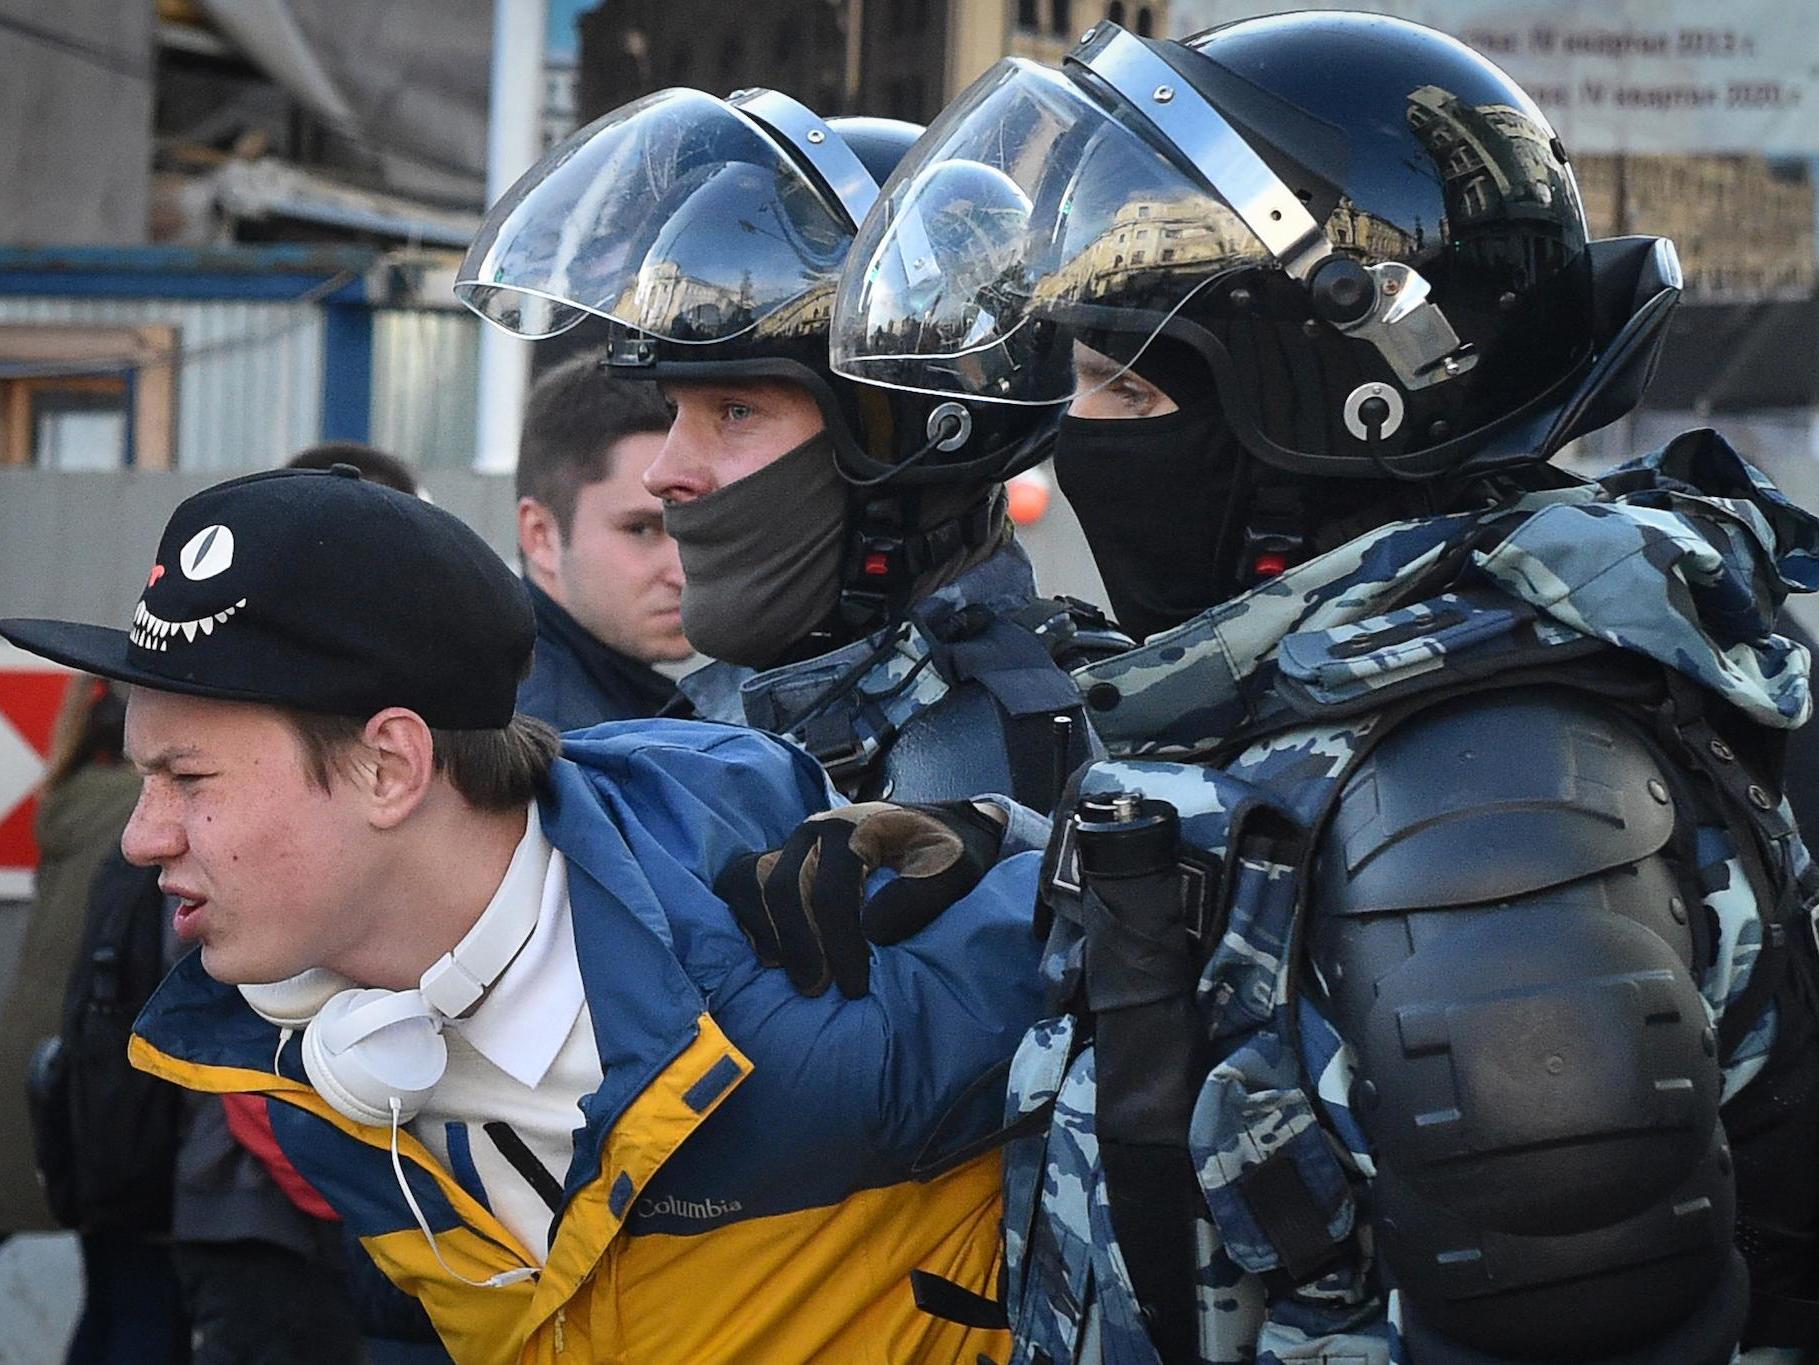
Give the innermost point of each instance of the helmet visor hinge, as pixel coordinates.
(630, 350)
(1410, 333)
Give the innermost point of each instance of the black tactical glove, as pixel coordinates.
(804, 906)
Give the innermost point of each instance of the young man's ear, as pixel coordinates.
(402, 758)
(539, 540)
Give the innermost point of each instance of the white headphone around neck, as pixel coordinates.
(366, 1049)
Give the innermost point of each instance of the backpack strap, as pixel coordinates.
(121, 1126)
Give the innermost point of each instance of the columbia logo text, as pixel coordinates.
(687, 1208)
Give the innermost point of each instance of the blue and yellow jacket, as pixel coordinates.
(744, 1185)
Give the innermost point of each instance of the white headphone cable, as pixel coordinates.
(498, 1281)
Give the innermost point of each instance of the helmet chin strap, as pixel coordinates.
(1268, 528)
(1275, 521)
(885, 558)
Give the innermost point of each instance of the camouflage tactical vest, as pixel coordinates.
(968, 683)
(1249, 718)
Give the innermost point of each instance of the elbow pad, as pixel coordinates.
(1504, 939)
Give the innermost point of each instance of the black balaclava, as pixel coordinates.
(1154, 494)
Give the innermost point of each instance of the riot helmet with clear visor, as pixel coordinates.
(632, 218)
(709, 234)
(1367, 230)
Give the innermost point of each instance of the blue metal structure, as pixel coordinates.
(337, 279)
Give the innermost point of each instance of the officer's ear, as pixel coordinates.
(539, 538)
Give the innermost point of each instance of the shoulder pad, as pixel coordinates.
(1422, 647)
(1489, 797)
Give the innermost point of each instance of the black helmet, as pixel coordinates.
(710, 235)
(1369, 233)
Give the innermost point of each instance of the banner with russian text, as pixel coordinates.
(1628, 76)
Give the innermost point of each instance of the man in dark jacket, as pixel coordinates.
(604, 577)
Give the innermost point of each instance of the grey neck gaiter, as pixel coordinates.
(761, 556)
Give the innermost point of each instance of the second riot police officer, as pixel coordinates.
(846, 552)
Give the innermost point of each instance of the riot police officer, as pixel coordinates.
(1469, 875)
(847, 556)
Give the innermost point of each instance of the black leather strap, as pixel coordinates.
(942, 1298)
(1285, 1209)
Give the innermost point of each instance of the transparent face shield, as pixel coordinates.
(1024, 210)
(1029, 217)
(677, 215)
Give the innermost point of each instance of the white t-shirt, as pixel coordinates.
(525, 1057)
